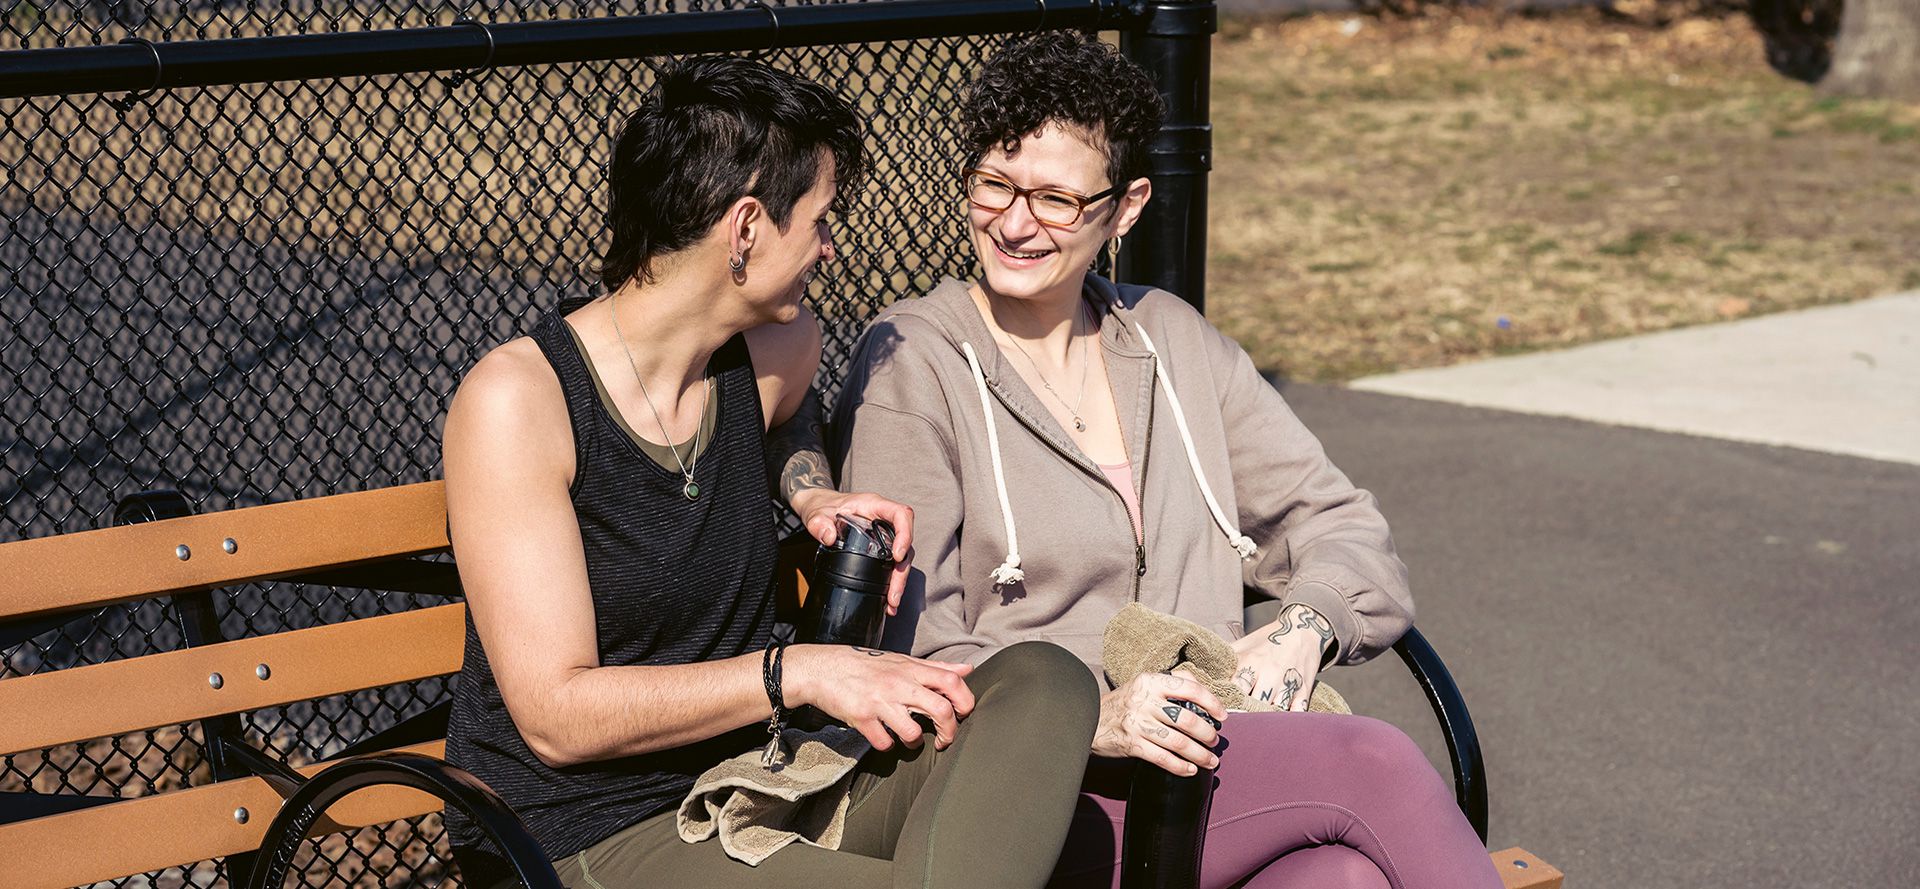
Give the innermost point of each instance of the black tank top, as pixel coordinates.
(673, 581)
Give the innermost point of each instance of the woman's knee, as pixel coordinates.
(1378, 748)
(1042, 673)
(1322, 866)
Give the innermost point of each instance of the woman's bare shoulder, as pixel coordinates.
(510, 406)
(513, 375)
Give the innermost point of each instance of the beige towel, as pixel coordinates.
(1142, 640)
(757, 810)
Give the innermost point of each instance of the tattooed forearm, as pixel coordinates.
(1309, 619)
(1291, 689)
(795, 456)
(1305, 618)
(804, 472)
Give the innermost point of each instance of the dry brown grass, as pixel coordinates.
(1383, 199)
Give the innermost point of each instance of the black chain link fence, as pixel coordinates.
(265, 292)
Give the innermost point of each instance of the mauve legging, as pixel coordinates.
(1306, 801)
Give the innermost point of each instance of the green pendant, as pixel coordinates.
(691, 490)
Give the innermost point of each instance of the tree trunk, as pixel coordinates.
(1878, 51)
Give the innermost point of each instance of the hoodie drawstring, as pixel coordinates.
(1242, 544)
(1009, 571)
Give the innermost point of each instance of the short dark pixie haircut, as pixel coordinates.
(1064, 77)
(713, 130)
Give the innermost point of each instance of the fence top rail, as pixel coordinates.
(138, 65)
(90, 569)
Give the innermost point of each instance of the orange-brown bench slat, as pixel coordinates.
(136, 836)
(173, 687)
(1520, 869)
(94, 568)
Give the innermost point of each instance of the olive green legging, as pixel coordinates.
(990, 810)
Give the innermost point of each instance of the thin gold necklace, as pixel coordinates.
(690, 490)
(1074, 408)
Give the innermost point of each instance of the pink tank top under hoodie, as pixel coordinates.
(1121, 474)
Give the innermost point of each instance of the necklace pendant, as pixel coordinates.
(1079, 424)
(691, 490)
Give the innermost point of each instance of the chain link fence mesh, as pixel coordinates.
(265, 292)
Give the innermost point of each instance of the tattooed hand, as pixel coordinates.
(1306, 618)
(1280, 662)
(1141, 720)
(1291, 688)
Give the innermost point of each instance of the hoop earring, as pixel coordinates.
(1113, 255)
(737, 263)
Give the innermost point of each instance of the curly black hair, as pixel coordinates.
(1064, 77)
(712, 130)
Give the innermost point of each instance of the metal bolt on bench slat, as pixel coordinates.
(262, 671)
(216, 680)
(230, 546)
(241, 815)
(1520, 863)
(182, 553)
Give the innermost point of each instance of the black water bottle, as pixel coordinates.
(1166, 826)
(847, 595)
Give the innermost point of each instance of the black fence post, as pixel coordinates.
(1168, 248)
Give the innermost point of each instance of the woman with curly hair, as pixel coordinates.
(1070, 445)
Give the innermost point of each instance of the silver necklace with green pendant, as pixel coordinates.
(691, 490)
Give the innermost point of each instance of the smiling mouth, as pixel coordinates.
(1021, 254)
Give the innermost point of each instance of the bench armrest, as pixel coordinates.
(1463, 743)
(454, 786)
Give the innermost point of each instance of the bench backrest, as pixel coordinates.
(89, 570)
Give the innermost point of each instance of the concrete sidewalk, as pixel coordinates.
(1839, 379)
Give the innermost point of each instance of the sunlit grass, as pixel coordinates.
(1387, 198)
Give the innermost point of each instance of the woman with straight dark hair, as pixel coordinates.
(1080, 445)
(607, 495)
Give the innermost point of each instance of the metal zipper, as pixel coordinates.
(1139, 476)
(1140, 486)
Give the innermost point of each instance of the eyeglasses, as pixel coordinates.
(1051, 207)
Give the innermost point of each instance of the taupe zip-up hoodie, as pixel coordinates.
(1060, 557)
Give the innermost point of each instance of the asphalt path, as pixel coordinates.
(1692, 662)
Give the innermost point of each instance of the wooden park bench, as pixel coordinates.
(258, 811)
